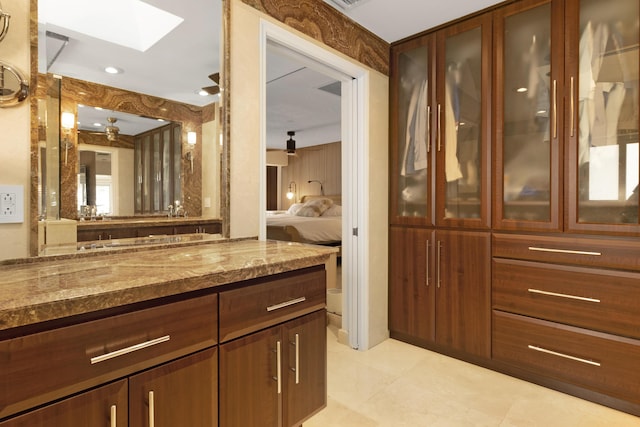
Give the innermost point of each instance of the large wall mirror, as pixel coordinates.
(156, 85)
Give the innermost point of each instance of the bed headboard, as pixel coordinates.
(336, 198)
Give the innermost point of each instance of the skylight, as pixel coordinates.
(140, 25)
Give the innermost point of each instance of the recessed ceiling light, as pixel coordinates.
(521, 90)
(113, 70)
(97, 124)
(203, 92)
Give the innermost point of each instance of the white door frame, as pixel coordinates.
(355, 228)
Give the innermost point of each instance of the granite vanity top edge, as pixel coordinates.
(94, 300)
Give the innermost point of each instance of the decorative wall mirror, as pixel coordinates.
(159, 80)
(14, 88)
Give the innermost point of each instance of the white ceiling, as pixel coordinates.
(178, 65)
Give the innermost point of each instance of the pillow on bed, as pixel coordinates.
(294, 208)
(335, 210)
(314, 208)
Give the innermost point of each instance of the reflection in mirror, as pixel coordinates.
(160, 80)
(128, 164)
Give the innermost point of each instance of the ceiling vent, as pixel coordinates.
(346, 4)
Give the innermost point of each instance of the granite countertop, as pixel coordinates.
(39, 290)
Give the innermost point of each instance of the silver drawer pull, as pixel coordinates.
(286, 304)
(566, 356)
(554, 294)
(563, 251)
(127, 350)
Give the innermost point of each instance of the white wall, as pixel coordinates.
(15, 163)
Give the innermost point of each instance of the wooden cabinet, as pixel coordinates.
(565, 308)
(559, 105)
(103, 406)
(56, 363)
(183, 392)
(528, 112)
(440, 289)
(439, 126)
(108, 230)
(566, 128)
(158, 159)
(274, 376)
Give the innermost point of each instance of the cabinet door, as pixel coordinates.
(179, 393)
(463, 295)
(305, 364)
(104, 406)
(528, 115)
(411, 132)
(411, 283)
(250, 388)
(462, 119)
(604, 115)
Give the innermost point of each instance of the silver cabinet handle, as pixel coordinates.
(279, 366)
(152, 410)
(555, 109)
(438, 137)
(112, 419)
(564, 251)
(127, 350)
(438, 252)
(296, 369)
(554, 294)
(428, 246)
(566, 356)
(572, 103)
(428, 128)
(286, 304)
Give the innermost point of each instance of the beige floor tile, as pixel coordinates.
(396, 384)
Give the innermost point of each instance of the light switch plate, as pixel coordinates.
(11, 204)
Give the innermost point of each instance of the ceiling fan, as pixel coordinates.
(111, 130)
(291, 144)
(215, 89)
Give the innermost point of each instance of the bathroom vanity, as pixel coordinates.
(219, 333)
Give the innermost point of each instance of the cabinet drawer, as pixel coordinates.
(592, 360)
(593, 252)
(603, 300)
(255, 307)
(47, 365)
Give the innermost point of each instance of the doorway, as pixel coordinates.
(354, 230)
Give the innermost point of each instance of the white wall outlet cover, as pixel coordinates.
(11, 204)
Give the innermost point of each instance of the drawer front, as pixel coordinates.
(603, 300)
(606, 253)
(251, 308)
(44, 366)
(592, 360)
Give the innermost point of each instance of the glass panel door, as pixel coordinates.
(607, 114)
(411, 152)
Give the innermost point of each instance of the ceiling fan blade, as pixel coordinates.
(215, 77)
(212, 90)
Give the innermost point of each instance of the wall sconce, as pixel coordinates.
(319, 182)
(4, 23)
(191, 141)
(292, 190)
(67, 123)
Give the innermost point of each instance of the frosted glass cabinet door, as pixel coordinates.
(410, 179)
(529, 76)
(464, 64)
(605, 129)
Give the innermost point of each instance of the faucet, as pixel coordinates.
(180, 209)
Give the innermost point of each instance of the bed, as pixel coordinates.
(316, 220)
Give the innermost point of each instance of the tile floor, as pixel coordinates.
(396, 384)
